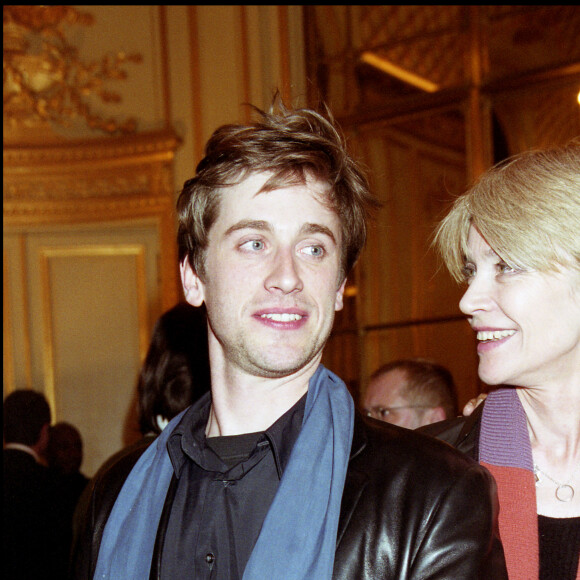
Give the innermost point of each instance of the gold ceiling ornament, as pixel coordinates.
(45, 81)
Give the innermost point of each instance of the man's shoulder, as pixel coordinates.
(113, 473)
(379, 446)
(460, 432)
(100, 494)
(13, 456)
(96, 503)
(18, 465)
(408, 498)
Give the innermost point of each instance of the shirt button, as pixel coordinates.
(210, 558)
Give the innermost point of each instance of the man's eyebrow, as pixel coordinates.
(249, 225)
(263, 225)
(318, 229)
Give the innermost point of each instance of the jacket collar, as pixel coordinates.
(25, 449)
(468, 438)
(356, 480)
(359, 437)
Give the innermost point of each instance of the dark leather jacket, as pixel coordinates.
(460, 432)
(412, 508)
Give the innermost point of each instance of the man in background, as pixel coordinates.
(28, 510)
(64, 456)
(411, 393)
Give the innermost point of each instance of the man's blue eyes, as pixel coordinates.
(253, 245)
(257, 245)
(316, 251)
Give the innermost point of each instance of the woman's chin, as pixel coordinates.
(492, 377)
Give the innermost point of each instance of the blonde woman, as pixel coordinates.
(514, 238)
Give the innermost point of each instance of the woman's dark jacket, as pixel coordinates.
(412, 508)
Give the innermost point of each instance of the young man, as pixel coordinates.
(273, 474)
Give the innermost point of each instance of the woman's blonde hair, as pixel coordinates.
(527, 208)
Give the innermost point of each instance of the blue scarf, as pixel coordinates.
(298, 536)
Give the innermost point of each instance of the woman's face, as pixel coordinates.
(527, 322)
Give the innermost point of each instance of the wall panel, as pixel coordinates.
(93, 334)
(92, 297)
(402, 290)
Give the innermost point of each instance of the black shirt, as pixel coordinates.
(559, 547)
(224, 487)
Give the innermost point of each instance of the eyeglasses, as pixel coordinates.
(382, 413)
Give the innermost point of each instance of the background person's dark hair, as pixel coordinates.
(428, 383)
(25, 413)
(175, 372)
(64, 452)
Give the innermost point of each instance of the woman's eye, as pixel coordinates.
(468, 271)
(506, 268)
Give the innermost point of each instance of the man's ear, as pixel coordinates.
(192, 286)
(339, 302)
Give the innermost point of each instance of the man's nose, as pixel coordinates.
(284, 275)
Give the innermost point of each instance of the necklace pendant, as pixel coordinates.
(564, 492)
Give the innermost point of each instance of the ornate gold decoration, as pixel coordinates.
(112, 181)
(45, 81)
(89, 179)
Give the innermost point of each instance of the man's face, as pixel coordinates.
(272, 278)
(384, 400)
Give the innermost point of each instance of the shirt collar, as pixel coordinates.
(284, 432)
(25, 448)
(188, 438)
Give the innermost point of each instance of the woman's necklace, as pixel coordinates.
(564, 490)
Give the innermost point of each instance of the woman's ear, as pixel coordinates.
(192, 285)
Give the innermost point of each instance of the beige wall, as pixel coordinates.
(221, 57)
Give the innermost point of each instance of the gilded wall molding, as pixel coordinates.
(7, 328)
(63, 188)
(68, 213)
(63, 151)
(89, 180)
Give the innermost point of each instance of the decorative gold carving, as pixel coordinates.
(66, 187)
(45, 81)
(88, 180)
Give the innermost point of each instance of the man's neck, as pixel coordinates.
(245, 404)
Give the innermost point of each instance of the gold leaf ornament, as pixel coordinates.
(45, 82)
